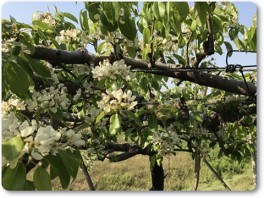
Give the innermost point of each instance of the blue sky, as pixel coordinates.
(23, 11)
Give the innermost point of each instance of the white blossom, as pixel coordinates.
(46, 17)
(106, 70)
(68, 35)
(26, 129)
(115, 100)
(50, 98)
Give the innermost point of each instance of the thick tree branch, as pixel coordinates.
(214, 81)
(127, 149)
(83, 57)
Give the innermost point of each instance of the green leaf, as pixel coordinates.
(58, 115)
(152, 122)
(18, 79)
(159, 10)
(40, 68)
(145, 52)
(41, 179)
(202, 9)
(162, 9)
(180, 10)
(24, 63)
(24, 38)
(109, 11)
(217, 24)
(128, 28)
(107, 26)
(58, 169)
(180, 59)
(99, 117)
(198, 118)
(117, 8)
(12, 19)
(233, 32)
(41, 25)
(43, 37)
(146, 35)
(15, 179)
(144, 83)
(70, 162)
(12, 148)
(228, 47)
(134, 117)
(114, 124)
(29, 185)
(100, 48)
(239, 44)
(16, 50)
(69, 16)
(55, 43)
(93, 10)
(131, 52)
(84, 20)
(35, 16)
(54, 174)
(142, 24)
(218, 49)
(193, 26)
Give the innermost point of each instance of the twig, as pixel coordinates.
(187, 52)
(216, 174)
(87, 177)
(197, 168)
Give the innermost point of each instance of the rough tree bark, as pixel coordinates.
(157, 175)
(205, 79)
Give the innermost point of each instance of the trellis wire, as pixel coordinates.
(205, 104)
(190, 69)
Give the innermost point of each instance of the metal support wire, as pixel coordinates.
(242, 73)
(189, 69)
(232, 68)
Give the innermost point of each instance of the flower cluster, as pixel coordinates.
(81, 69)
(43, 143)
(10, 124)
(72, 138)
(106, 70)
(39, 140)
(8, 45)
(69, 35)
(12, 104)
(46, 17)
(91, 114)
(50, 98)
(115, 100)
(165, 141)
(167, 44)
(124, 43)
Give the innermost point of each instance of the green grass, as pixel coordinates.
(134, 175)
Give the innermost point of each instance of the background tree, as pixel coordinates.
(149, 89)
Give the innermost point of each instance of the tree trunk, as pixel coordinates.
(157, 175)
